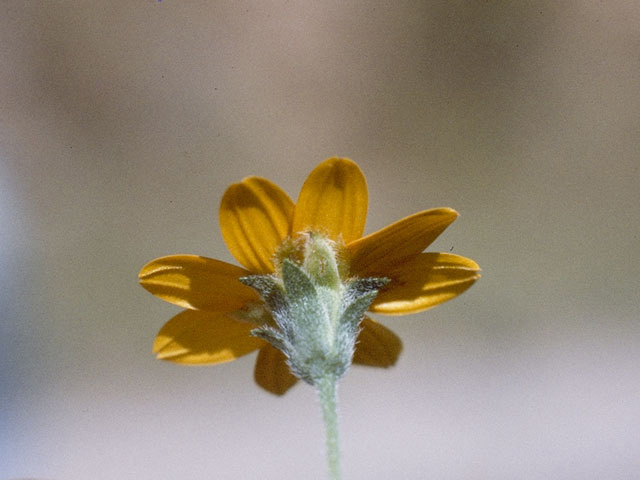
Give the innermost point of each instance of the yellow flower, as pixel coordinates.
(258, 221)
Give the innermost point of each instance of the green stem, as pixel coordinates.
(327, 389)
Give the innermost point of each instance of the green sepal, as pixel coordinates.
(308, 317)
(360, 286)
(320, 261)
(317, 315)
(269, 289)
(271, 335)
(354, 313)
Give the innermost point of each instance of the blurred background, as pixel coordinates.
(121, 124)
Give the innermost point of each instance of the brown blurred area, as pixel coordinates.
(121, 124)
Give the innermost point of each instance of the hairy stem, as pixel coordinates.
(327, 389)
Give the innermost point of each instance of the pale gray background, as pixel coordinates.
(121, 124)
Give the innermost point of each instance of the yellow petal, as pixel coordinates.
(197, 282)
(198, 338)
(333, 200)
(424, 282)
(377, 252)
(272, 372)
(377, 345)
(255, 216)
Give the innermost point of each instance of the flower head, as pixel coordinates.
(267, 233)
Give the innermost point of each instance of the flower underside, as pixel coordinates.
(300, 261)
(316, 312)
